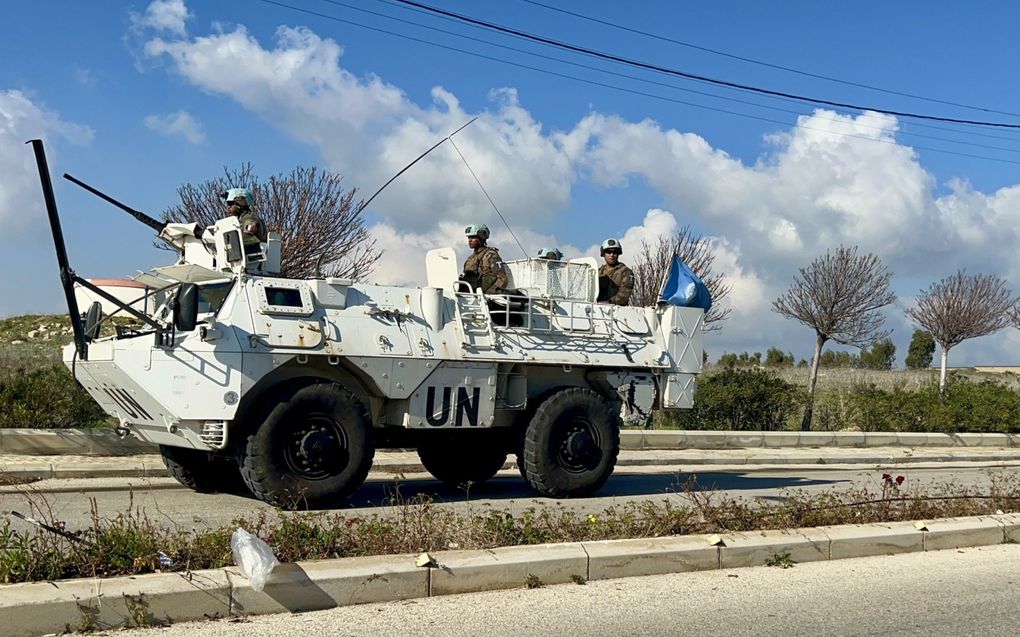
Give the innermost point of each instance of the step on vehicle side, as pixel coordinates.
(292, 384)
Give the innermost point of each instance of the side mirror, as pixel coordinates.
(186, 307)
(92, 319)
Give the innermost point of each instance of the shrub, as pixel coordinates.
(46, 397)
(968, 406)
(740, 400)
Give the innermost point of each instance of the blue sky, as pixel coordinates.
(138, 98)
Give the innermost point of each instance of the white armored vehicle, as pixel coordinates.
(294, 383)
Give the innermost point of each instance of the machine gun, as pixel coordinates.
(137, 214)
(177, 235)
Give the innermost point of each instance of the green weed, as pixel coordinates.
(781, 560)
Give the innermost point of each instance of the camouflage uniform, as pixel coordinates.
(253, 229)
(487, 266)
(616, 282)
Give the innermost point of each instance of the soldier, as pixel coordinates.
(616, 281)
(484, 269)
(253, 229)
(552, 254)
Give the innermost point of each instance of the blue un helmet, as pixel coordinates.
(243, 194)
(480, 230)
(612, 245)
(550, 253)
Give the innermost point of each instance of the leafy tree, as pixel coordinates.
(839, 296)
(775, 357)
(744, 359)
(840, 359)
(652, 263)
(920, 351)
(321, 225)
(882, 355)
(960, 307)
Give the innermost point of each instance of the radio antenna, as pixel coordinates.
(491, 202)
(417, 159)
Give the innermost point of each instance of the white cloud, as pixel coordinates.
(163, 15)
(20, 120)
(179, 123)
(299, 86)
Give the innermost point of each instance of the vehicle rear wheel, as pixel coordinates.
(458, 462)
(201, 471)
(311, 447)
(571, 444)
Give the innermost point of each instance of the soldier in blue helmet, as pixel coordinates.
(552, 254)
(484, 269)
(616, 280)
(239, 200)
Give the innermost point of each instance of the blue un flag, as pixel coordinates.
(683, 287)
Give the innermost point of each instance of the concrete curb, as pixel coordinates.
(104, 442)
(121, 467)
(51, 607)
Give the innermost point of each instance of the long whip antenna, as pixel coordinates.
(491, 202)
(417, 159)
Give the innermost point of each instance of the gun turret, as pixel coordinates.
(137, 214)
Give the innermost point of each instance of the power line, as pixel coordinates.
(393, 3)
(673, 86)
(765, 64)
(694, 76)
(617, 88)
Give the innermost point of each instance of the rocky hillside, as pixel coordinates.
(35, 329)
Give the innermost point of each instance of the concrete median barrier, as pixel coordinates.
(612, 559)
(739, 550)
(104, 442)
(510, 567)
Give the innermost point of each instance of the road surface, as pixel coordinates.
(163, 500)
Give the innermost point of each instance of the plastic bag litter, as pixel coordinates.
(254, 557)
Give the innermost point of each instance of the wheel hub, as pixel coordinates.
(316, 446)
(579, 446)
(317, 450)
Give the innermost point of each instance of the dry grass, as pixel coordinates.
(132, 543)
(841, 380)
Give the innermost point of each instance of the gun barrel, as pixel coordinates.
(137, 214)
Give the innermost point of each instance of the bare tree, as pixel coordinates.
(321, 225)
(696, 251)
(838, 295)
(960, 307)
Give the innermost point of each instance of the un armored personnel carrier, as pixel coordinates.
(292, 384)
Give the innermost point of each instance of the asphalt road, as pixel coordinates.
(70, 501)
(946, 593)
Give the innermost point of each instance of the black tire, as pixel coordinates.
(200, 471)
(311, 446)
(571, 444)
(456, 463)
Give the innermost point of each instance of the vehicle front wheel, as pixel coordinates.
(571, 444)
(311, 447)
(457, 462)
